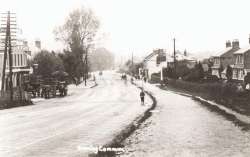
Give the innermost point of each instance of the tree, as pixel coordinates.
(70, 64)
(181, 69)
(195, 74)
(77, 33)
(47, 63)
(200, 71)
(229, 73)
(247, 78)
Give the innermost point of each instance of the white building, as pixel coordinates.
(20, 64)
(155, 61)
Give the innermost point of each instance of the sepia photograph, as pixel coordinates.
(124, 78)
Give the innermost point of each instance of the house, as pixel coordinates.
(183, 59)
(154, 62)
(20, 65)
(224, 58)
(241, 63)
(33, 47)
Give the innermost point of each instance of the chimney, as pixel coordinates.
(228, 44)
(38, 44)
(236, 44)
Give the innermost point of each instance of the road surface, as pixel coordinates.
(61, 127)
(182, 127)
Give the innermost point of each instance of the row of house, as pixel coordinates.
(234, 56)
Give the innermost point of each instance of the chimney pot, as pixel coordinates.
(236, 44)
(228, 44)
(38, 44)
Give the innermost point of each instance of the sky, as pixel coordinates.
(139, 26)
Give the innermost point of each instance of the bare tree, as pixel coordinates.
(80, 27)
(77, 33)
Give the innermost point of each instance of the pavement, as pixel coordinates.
(183, 127)
(65, 127)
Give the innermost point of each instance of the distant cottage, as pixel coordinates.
(154, 62)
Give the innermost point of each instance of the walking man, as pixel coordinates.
(142, 95)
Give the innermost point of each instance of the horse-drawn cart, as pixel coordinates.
(48, 87)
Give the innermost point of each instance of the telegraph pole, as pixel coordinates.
(8, 49)
(132, 64)
(174, 60)
(86, 70)
(5, 52)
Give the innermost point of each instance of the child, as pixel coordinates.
(142, 95)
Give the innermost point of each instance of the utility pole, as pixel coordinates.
(132, 64)
(5, 42)
(8, 48)
(174, 60)
(86, 66)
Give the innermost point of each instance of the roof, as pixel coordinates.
(243, 50)
(222, 52)
(152, 54)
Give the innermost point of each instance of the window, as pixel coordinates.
(18, 61)
(217, 61)
(239, 59)
(21, 64)
(14, 60)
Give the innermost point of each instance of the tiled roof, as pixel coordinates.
(222, 52)
(242, 50)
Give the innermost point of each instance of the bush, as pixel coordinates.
(48, 62)
(222, 92)
(195, 74)
(212, 78)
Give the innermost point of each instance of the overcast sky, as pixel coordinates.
(141, 25)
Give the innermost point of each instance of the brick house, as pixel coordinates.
(241, 63)
(225, 58)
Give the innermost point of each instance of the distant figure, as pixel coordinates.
(142, 95)
(132, 80)
(94, 78)
(145, 79)
(125, 79)
(100, 73)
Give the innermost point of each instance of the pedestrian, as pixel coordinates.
(142, 95)
(132, 80)
(94, 79)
